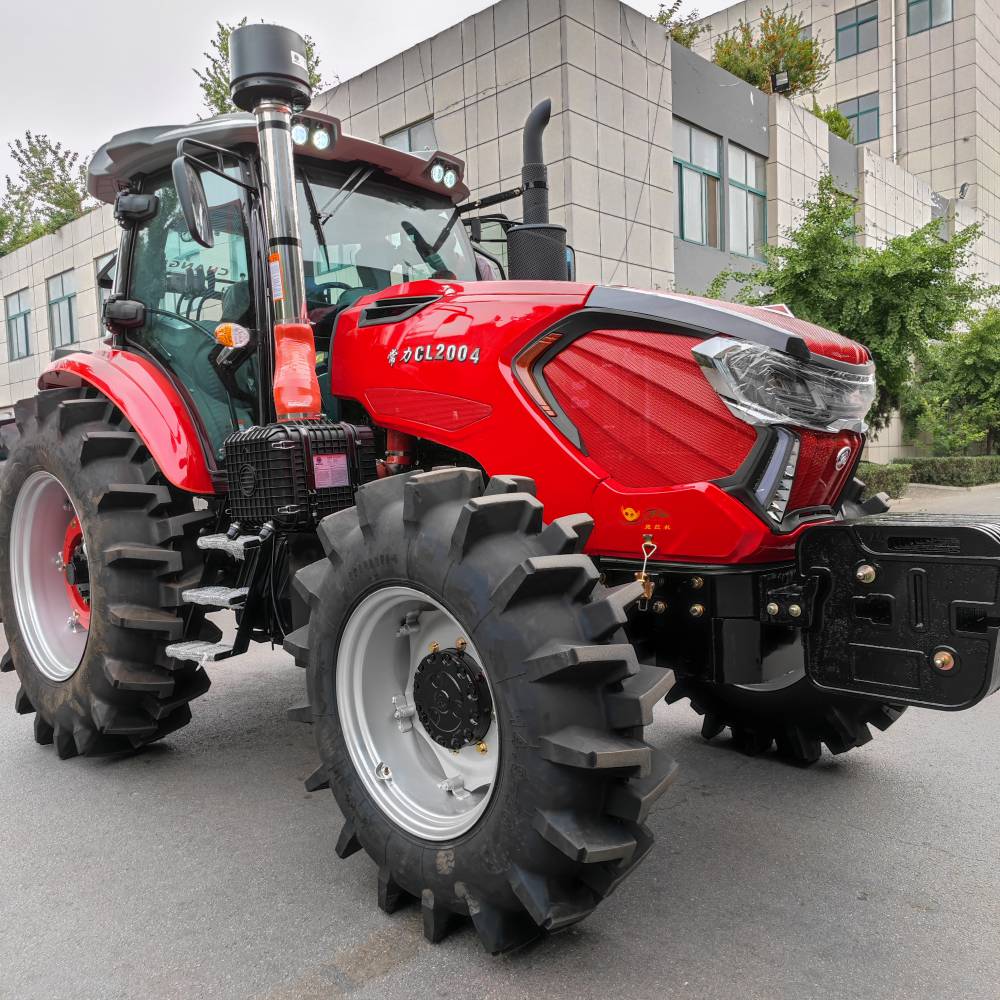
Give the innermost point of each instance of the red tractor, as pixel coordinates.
(320, 408)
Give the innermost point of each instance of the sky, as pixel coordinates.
(102, 66)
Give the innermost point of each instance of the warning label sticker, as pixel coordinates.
(330, 471)
(277, 288)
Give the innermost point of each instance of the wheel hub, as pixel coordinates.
(452, 698)
(76, 569)
(50, 576)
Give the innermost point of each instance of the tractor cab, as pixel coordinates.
(370, 218)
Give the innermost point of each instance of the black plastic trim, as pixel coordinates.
(394, 310)
(698, 318)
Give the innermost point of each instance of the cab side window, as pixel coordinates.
(188, 290)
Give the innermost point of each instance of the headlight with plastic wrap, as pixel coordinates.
(764, 386)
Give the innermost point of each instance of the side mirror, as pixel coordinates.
(193, 201)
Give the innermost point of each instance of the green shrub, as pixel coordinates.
(778, 43)
(836, 121)
(683, 29)
(891, 479)
(959, 470)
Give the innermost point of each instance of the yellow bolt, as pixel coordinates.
(434, 647)
(697, 610)
(482, 747)
(697, 582)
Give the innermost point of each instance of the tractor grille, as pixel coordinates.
(294, 474)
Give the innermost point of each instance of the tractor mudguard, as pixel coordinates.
(152, 405)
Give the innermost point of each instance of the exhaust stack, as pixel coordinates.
(270, 78)
(536, 249)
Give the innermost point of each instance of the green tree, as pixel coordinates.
(956, 398)
(213, 79)
(49, 190)
(836, 121)
(779, 44)
(684, 29)
(895, 299)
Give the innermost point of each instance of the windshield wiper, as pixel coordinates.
(344, 192)
(430, 252)
(314, 217)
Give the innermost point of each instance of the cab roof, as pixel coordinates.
(145, 150)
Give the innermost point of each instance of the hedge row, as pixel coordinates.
(891, 479)
(960, 470)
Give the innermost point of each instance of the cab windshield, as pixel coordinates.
(362, 233)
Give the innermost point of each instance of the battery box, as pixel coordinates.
(293, 474)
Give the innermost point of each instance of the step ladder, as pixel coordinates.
(242, 548)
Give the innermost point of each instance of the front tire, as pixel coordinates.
(795, 718)
(95, 549)
(560, 821)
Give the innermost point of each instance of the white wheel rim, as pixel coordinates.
(430, 791)
(52, 633)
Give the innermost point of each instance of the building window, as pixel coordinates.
(924, 14)
(104, 266)
(62, 309)
(747, 202)
(413, 138)
(862, 113)
(857, 30)
(696, 185)
(18, 310)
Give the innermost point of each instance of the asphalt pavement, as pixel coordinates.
(201, 868)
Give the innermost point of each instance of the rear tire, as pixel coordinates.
(138, 537)
(564, 822)
(798, 719)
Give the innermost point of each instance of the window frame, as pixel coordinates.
(407, 130)
(855, 26)
(252, 221)
(25, 316)
(687, 164)
(750, 191)
(929, 6)
(54, 304)
(855, 118)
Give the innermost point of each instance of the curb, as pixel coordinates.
(954, 489)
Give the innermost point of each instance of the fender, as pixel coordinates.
(152, 404)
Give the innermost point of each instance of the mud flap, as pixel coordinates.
(907, 608)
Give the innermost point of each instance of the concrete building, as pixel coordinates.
(920, 82)
(664, 168)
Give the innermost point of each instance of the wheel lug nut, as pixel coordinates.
(773, 609)
(865, 573)
(697, 610)
(794, 610)
(697, 582)
(460, 645)
(659, 607)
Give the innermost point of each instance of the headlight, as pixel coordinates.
(764, 386)
(300, 133)
(321, 139)
(450, 179)
(437, 172)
